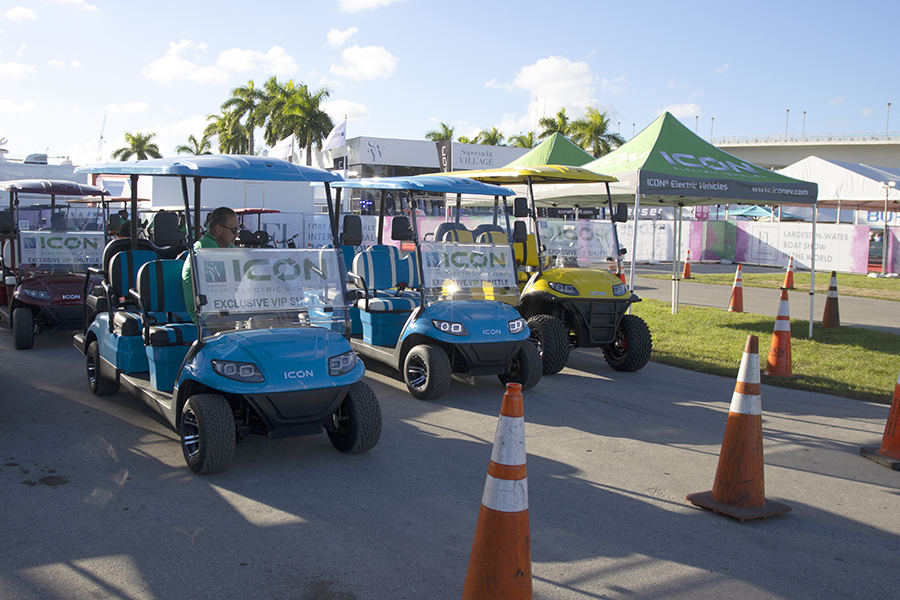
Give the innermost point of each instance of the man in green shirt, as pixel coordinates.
(221, 232)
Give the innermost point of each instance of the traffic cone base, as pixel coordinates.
(739, 487)
(889, 452)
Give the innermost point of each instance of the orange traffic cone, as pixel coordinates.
(621, 274)
(500, 562)
(736, 304)
(779, 359)
(686, 272)
(889, 453)
(739, 488)
(789, 276)
(832, 316)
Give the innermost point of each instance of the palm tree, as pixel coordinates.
(551, 125)
(139, 146)
(592, 133)
(493, 137)
(195, 146)
(464, 139)
(232, 135)
(315, 124)
(523, 140)
(442, 133)
(247, 102)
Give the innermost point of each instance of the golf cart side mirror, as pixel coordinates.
(520, 232)
(520, 207)
(400, 229)
(621, 213)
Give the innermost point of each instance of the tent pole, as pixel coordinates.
(812, 273)
(637, 212)
(676, 279)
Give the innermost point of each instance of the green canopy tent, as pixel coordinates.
(555, 150)
(668, 164)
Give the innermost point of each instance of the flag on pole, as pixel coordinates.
(337, 137)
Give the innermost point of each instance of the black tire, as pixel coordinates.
(23, 328)
(357, 421)
(526, 368)
(427, 372)
(100, 385)
(208, 435)
(552, 340)
(631, 349)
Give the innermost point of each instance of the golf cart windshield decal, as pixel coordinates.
(61, 248)
(591, 240)
(468, 265)
(259, 280)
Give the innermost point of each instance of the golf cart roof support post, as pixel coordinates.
(187, 210)
(615, 229)
(133, 209)
(335, 238)
(414, 225)
(637, 213)
(197, 181)
(381, 218)
(534, 220)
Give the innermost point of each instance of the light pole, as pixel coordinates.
(803, 131)
(786, 117)
(884, 237)
(887, 128)
(696, 123)
(712, 121)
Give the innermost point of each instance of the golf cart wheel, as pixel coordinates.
(552, 340)
(357, 421)
(525, 368)
(630, 351)
(427, 372)
(23, 328)
(207, 433)
(100, 385)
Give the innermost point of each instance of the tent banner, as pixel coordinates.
(750, 188)
(842, 248)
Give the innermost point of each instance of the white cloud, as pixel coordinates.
(615, 86)
(866, 112)
(839, 101)
(336, 109)
(9, 106)
(371, 62)
(337, 38)
(14, 69)
(20, 51)
(552, 83)
(75, 64)
(353, 6)
(683, 111)
(57, 63)
(130, 108)
(19, 14)
(722, 70)
(174, 67)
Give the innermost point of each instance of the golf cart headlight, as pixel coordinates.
(620, 289)
(38, 294)
(238, 371)
(342, 363)
(564, 288)
(516, 325)
(450, 327)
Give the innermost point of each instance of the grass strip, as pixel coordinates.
(878, 288)
(846, 361)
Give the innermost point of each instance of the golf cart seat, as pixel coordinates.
(453, 232)
(486, 228)
(165, 229)
(491, 237)
(383, 276)
(526, 253)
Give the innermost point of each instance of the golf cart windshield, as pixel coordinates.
(459, 271)
(261, 288)
(582, 243)
(62, 246)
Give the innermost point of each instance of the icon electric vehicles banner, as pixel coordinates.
(242, 280)
(61, 248)
(451, 267)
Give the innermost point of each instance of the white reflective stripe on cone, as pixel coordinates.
(504, 495)
(509, 441)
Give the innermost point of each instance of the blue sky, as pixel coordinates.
(397, 68)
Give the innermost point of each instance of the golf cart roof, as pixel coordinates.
(538, 174)
(107, 200)
(50, 187)
(427, 183)
(255, 211)
(216, 166)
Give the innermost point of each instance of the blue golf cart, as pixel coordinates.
(47, 250)
(429, 302)
(269, 351)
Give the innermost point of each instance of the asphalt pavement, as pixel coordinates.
(98, 503)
